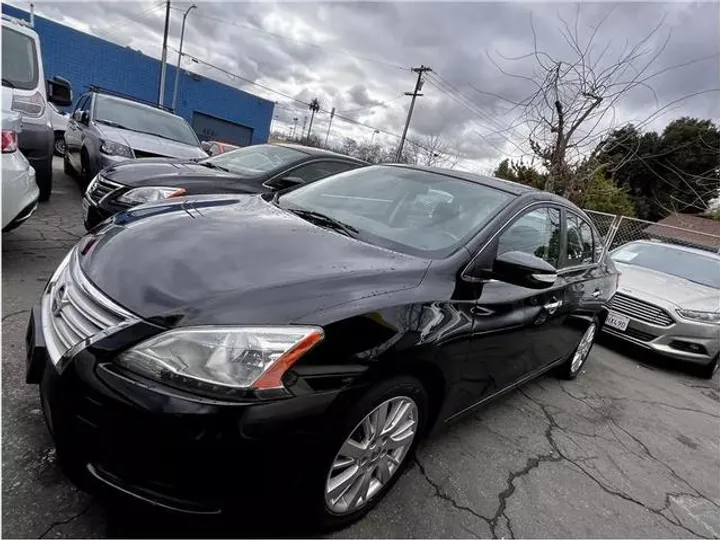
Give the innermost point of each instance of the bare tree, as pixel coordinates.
(572, 104)
(432, 151)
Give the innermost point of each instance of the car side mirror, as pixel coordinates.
(286, 182)
(81, 117)
(59, 91)
(523, 269)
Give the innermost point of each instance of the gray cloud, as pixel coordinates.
(365, 51)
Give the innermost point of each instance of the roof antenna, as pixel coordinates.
(32, 15)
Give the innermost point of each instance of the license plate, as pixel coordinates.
(617, 321)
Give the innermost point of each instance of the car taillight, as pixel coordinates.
(32, 105)
(9, 141)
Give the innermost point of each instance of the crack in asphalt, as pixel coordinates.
(645, 450)
(8, 315)
(66, 521)
(439, 493)
(548, 432)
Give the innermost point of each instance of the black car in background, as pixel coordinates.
(205, 353)
(253, 169)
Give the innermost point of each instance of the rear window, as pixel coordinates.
(19, 60)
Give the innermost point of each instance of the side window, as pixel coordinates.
(81, 103)
(320, 169)
(536, 233)
(580, 241)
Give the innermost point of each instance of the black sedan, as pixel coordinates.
(254, 169)
(201, 353)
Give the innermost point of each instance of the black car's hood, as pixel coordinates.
(179, 173)
(236, 260)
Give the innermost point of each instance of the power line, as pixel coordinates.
(112, 28)
(301, 42)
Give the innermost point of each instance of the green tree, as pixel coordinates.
(602, 194)
(517, 171)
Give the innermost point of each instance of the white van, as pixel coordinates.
(25, 91)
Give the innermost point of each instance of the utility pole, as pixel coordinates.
(295, 121)
(177, 70)
(332, 114)
(304, 124)
(414, 94)
(163, 65)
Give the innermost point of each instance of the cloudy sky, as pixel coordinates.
(357, 57)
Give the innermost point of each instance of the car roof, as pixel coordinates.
(497, 183)
(311, 150)
(20, 25)
(678, 247)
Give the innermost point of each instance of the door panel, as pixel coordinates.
(517, 330)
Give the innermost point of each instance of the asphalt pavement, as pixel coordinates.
(629, 449)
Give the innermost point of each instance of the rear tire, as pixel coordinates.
(85, 174)
(43, 178)
(379, 460)
(572, 367)
(67, 168)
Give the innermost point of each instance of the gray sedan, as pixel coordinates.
(105, 130)
(668, 301)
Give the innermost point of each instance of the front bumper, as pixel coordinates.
(93, 214)
(677, 341)
(122, 436)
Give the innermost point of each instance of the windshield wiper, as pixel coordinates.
(111, 123)
(211, 165)
(326, 221)
(6, 82)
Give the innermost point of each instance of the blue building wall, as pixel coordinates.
(84, 60)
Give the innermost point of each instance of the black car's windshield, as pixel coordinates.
(19, 65)
(411, 211)
(144, 119)
(695, 267)
(253, 161)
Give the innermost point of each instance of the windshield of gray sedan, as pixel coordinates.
(695, 267)
(125, 114)
(253, 161)
(409, 210)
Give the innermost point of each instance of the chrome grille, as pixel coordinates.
(73, 310)
(640, 310)
(100, 188)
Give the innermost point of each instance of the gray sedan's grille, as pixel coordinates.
(100, 188)
(74, 310)
(642, 311)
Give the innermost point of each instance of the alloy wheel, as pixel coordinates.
(60, 147)
(371, 455)
(583, 348)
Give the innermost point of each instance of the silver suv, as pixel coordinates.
(26, 92)
(105, 129)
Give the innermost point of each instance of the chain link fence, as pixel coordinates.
(619, 230)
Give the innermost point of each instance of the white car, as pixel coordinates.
(59, 123)
(19, 190)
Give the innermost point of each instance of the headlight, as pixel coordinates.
(149, 194)
(710, 317)
(222, 359)
(116, 149)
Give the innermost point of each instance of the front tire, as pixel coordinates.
(572, 367)
(59, 146)
(370, 451)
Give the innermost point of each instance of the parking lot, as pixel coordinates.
(629, 449)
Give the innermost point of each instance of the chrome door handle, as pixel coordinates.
(596, 293)
(553, 306)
